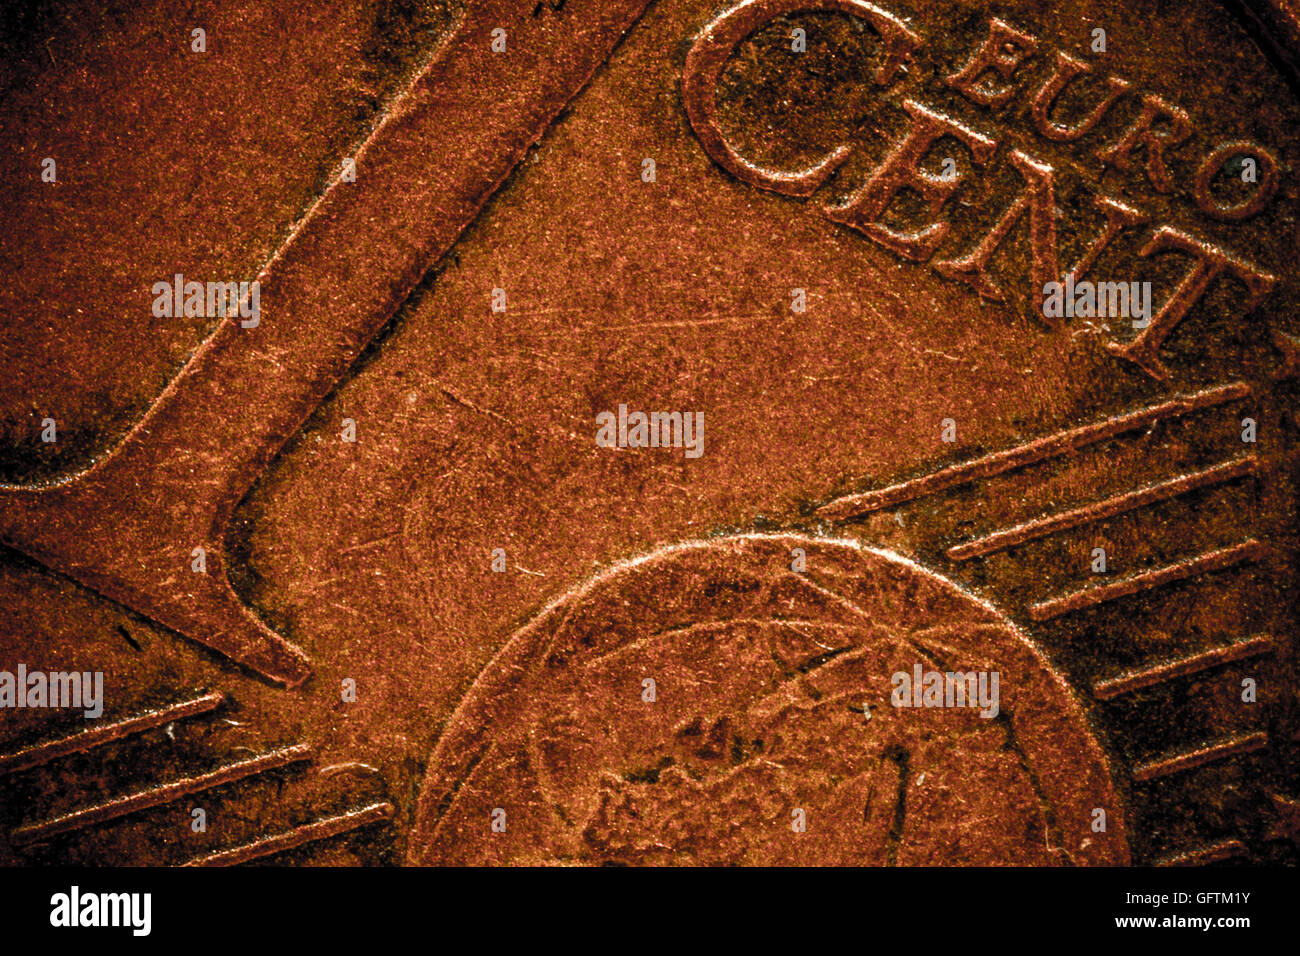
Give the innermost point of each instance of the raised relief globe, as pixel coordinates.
(707, 704)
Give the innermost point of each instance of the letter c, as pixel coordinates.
(712, 49)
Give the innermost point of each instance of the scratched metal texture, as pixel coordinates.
(371, 561)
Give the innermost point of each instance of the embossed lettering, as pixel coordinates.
(1211, 262)
(1264, 190)
(1067, 69)
(1039, 198)
(1144, 132)
(1003, 52)
(901, 169)
(710, 52)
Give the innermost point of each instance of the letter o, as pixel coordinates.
(1234, 212)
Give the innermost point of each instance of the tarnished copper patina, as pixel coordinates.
(394, 571)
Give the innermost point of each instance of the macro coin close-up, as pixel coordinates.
(752, 432)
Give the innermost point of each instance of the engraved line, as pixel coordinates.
(1180, 667)
(1213, 853)
(674, 633)
(1210, 561)
(39, 754)
(447, 144)
(1100, 510)
(307, 833)
(831, 594)
(157, 796)
(1233, 746)
(903, 761)
(1028, 454)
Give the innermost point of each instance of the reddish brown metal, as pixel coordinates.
(454, 613)
(127, 526)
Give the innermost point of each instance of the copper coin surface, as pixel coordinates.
(771, 702)
(749, 432)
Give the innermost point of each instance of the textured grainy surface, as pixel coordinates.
(772, 692)
(522, 690)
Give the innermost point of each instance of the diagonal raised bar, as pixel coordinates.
(126, 526)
